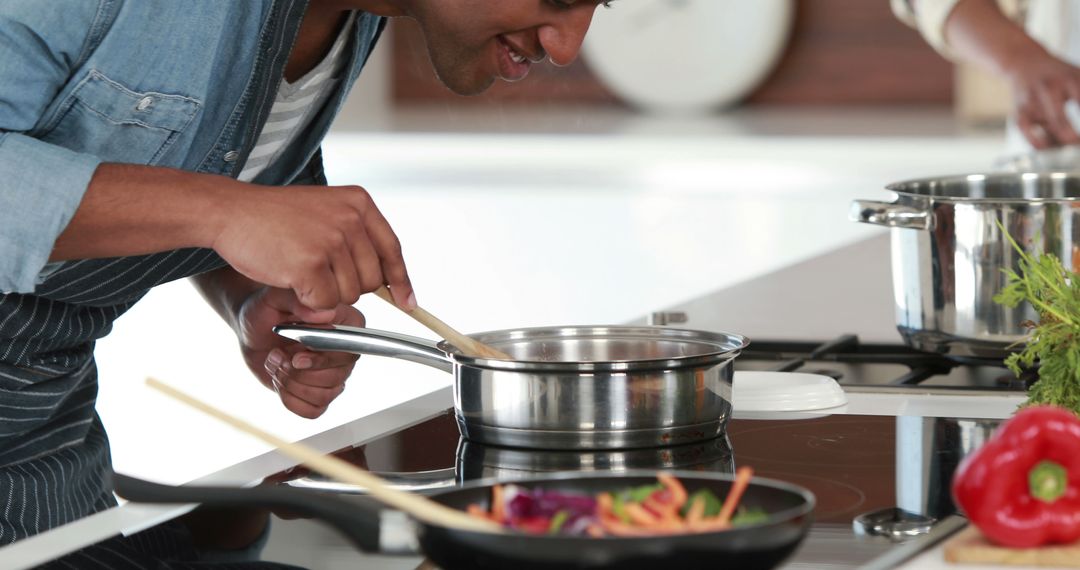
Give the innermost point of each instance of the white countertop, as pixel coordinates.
(501, 231)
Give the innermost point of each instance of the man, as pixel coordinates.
(145, 141)
(1034, 45)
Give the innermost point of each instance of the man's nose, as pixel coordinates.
(562, 39)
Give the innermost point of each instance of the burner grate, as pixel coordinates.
(889, 364)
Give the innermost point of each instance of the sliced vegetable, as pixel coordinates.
(747, 517)
(647, 510)
(557, 522)
(742, 481)
(711, 505)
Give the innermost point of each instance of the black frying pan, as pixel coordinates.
(748, 548)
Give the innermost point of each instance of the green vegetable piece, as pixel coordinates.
(746, 517)
(639, 494)
(558, 521)
(618, 504)
(712, 503)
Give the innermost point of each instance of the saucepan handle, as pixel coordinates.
(342, 338)
(370, 528)
(890, 214)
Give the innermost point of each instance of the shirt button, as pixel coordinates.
(144, 103)
(231, 156)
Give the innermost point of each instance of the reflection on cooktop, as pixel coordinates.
(849, 463)
(839, 440)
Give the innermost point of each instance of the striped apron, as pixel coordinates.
(53, 449)
(54, 454)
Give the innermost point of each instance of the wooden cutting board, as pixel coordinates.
(970, 546)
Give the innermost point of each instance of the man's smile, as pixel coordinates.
(513, 61)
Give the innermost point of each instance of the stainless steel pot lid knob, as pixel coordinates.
(893, 523)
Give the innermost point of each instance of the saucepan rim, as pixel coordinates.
(726, 345)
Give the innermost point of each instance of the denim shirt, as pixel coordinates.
(157, 82)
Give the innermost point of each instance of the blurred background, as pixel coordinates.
(807, 56)
(694, 145)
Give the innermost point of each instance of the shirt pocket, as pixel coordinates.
(103, 118)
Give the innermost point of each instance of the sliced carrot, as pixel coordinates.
(664, 512)
(605, 504)
(709, 524)
(498, 509)
(696, 511)
(478, 512)
(742, 481)
(616, 528)
(640, 516)
(594, 530)
(678, 492)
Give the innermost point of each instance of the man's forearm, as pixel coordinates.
(979, 32)
(225, 290)
(134, 210)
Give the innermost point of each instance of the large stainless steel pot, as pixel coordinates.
(570, 387)
(948, 253)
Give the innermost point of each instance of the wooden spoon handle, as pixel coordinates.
(467, 345)
(417, 506)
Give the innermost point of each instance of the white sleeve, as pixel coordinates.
(927, 16)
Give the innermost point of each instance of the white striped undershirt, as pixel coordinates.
(295, 106)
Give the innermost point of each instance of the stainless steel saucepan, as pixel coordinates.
(577, 387)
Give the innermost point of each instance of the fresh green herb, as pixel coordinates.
(745, 517)
(1053, 342)
(712, 503)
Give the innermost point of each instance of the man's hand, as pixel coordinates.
(305, 381)
(328, 244)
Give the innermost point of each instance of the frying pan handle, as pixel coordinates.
(364, 524)
(342, 338)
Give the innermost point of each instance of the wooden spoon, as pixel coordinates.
(469, 346)
(416, 506)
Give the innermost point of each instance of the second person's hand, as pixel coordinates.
(1041, 87)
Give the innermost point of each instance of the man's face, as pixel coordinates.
(474, 42)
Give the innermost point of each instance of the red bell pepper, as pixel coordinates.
(1022, 487)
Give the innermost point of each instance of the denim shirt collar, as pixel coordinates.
(279, 31)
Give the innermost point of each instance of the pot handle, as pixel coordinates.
(372, 529)
(889, 214)
(342, 338)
